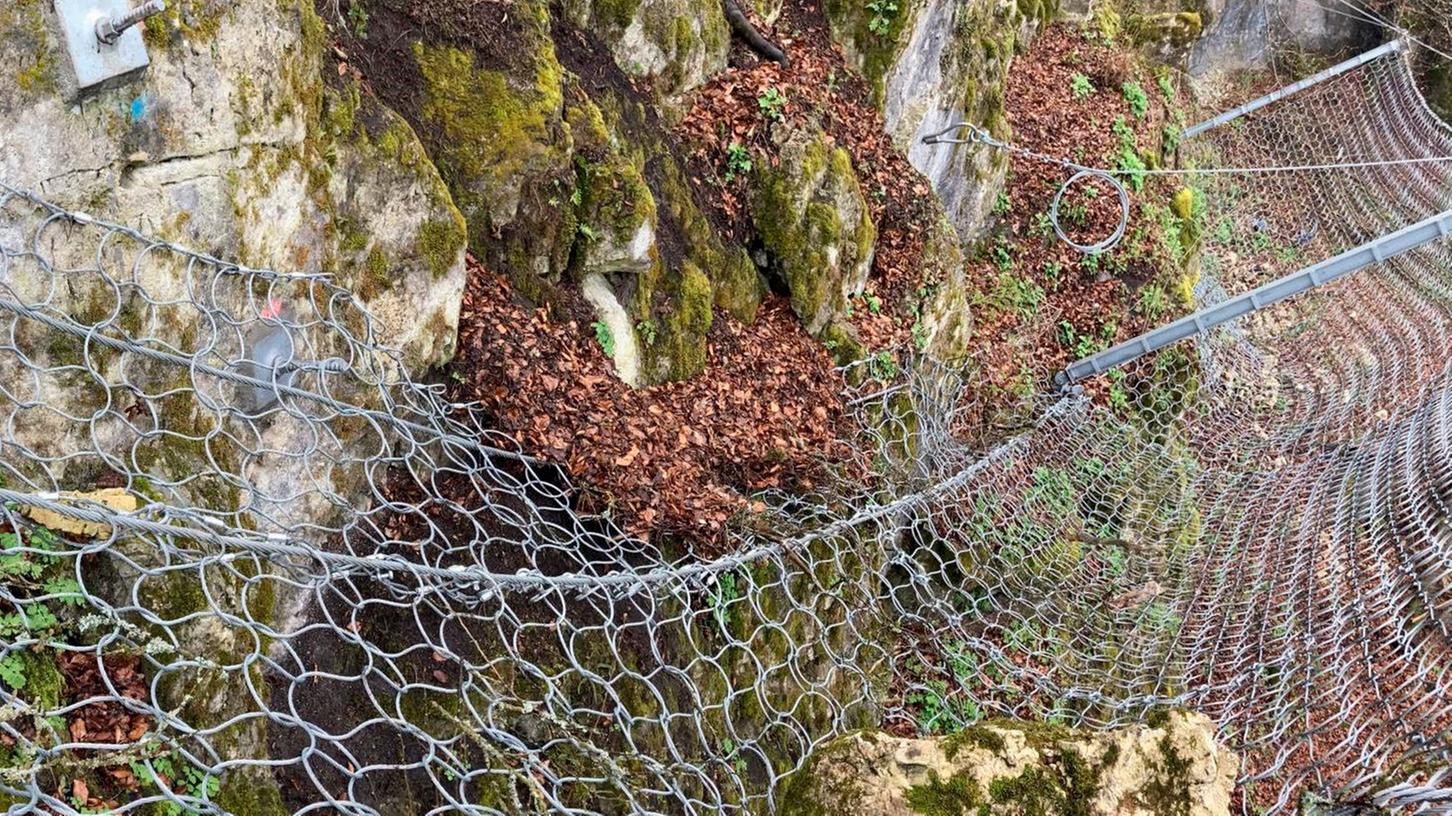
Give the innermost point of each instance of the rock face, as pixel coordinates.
(951, 68)
(242, 149)
(233, 142)
(1171, 768)
(559, 164)
(676, 43)
(1239, 33)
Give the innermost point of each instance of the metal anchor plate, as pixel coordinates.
(97, 64)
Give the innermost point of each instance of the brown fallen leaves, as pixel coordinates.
(678, 458)
(104, 721)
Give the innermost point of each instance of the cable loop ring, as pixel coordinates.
(1114, 238)
(976, 135)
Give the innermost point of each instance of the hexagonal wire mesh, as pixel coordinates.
(310, 584)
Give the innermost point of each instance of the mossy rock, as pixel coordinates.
(812, 218)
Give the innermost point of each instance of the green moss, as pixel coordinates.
(738, 285)
(185, 21)
(245, 794)
(617, 13)
(44, 682)
(686, 327)
(959, 795)
(1168, 791)
(976, 735)
(1031, 793)
(492, 130)
(796, 214)
(1176, 28)
(587, 125)
(440, 240)
(23, 33)
(873, 51)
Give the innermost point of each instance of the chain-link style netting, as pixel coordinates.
(250, 567)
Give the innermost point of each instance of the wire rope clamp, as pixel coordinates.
(104, 41)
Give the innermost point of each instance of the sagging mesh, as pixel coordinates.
(297, 581)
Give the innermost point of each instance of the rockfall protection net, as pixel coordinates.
(299, 582)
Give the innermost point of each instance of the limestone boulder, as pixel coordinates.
(815, 224)
(1173, 767)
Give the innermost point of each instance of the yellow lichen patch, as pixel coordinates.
(116, 498)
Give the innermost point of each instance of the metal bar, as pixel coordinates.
(1277, 95)
(1202, 321)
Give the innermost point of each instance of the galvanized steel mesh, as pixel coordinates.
(339, 587)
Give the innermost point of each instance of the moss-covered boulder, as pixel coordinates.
(677, 44)
(813, 220)
(500, 140)
(1172, 768)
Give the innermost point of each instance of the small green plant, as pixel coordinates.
(1065, 333)
(1118, 396)
(1080, 86)
(1128, 160)
(586, 231)
(1018, 295)
(883, 12)
(1054, 272)
(1152, 302)
(1003, 257)
(1042, 226)
(604, 338)
(738, 161)
(1167, 87)
(358, 19)
(728, 750)
(882, 366)
(1001, 204)
(1136, 97)
(722, 597)
(920, 335)
(874, 303)
(647, 330)
(771, 103)
(174, 773)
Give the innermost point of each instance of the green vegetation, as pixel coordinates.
(883, 13)
(772, 102)
(738, 161)
(1167, 87)
(1127, 159)
(172, 772)
(1018, 295)
(358, 19)
(722, 597)
(1138, 101)
(604, 338)
(1080, 86)
(648, 332)
(882, 366)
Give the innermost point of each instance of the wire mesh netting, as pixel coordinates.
(251, 566)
